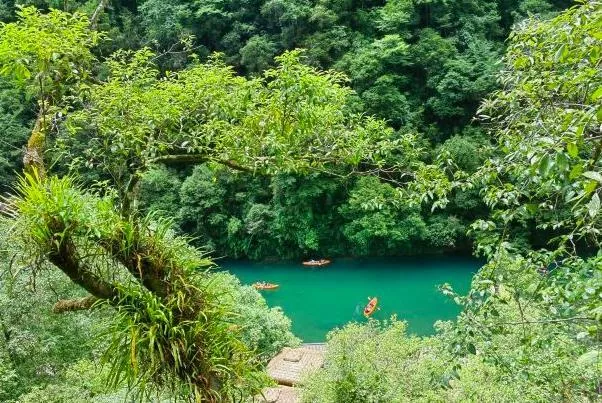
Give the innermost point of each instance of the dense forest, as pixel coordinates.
(422, 66)
(138, 140)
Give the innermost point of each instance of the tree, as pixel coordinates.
(530, 325)
(304, 221)
(257, 54)
(171, 328)
(160, 191)
(378, 222)
(385, 98)
(543, 179)
(47, 66)
(396, 16)
(546, 124)
(463, 81)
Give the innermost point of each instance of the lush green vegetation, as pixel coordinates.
(530, 326)
(142, 150)
(50, 356)
(422, 66)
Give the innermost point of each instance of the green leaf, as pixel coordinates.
(531, 208)
(572, 149)
(21, 72)
(576, 172)
(590, 186)
(544, 165)
(561, 53)
(593, 175)
(562, 162)
(596, 94)
(594, 205)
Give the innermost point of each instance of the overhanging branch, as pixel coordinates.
(178, 159)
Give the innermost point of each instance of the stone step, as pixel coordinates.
(291, 364)
(278, 394)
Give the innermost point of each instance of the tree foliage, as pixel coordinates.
(128, 126)
(379, 362)
(530, 325)
(544, 175)
(542, 237)
(423, 65)
(171, 329)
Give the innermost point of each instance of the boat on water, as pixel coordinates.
(320, 262)
(265, 286)
(371, 307)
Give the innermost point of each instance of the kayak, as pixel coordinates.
(371, 307)
(265, 286)
(321, 262)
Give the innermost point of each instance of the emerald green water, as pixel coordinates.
(320, 299)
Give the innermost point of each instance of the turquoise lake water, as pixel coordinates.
(320, 299)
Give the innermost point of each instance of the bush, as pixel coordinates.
(83, 382)
(465, 151)
(265, 330)
(377, 362)
(443, 231)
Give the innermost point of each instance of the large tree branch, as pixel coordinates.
(79, 304)
(33, 160)
(65, 258)
(139, 262)
(178, 159)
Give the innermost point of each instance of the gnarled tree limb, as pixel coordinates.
(67, 305)
(65, 258)
(33, 160)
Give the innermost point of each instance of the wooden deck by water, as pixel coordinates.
(288, 369)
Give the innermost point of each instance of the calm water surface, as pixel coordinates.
(320, 299)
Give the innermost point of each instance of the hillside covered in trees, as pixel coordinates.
(422, 66)
(138, 140)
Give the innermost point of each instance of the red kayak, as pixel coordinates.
(371, 307)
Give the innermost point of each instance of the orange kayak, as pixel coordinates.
(321, 262)
(371, 307)
(265, 286)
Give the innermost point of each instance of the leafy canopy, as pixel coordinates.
(171, 328)
(293, 119)
(45, 53)
(544, 176)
